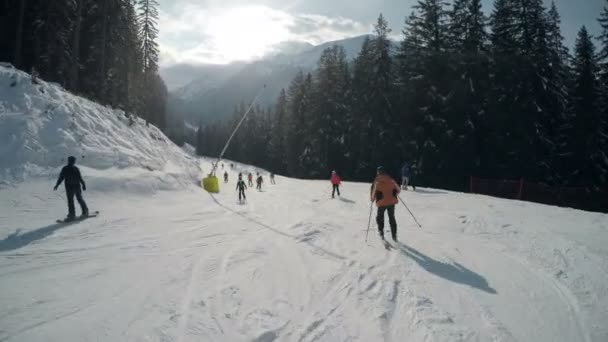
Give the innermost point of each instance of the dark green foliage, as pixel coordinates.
(104, 50)
(587, 136)
(452, 99)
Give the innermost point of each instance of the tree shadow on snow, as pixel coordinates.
(453, 272)
(347, 200)
(16, 241)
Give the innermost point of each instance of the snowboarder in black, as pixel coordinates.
(259, 182)
(73, 180)
(240, 186)
(226, 177)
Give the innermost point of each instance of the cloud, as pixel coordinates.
(199, 33)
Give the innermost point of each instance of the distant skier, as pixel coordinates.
(335, 182)
(225, 176)
(240, 186)
(412, 176)
(259, 182)
(272, 178)
(405, 175)
(222, 166)
(384, 193)
(250, 179)
(73, 180)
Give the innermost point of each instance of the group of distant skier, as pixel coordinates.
(240, 184)
(384, 191)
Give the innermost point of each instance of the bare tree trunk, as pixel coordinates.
(19, 37)
(76, 46)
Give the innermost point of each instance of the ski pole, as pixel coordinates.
(369, 221)
(408, 209)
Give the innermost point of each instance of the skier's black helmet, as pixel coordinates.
(71, 160)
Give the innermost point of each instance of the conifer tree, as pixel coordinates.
(589, 160)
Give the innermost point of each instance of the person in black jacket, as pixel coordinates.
(71, 175)
(240, 186)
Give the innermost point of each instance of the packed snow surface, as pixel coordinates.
(292, 265)
(167, 261)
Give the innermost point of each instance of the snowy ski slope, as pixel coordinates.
(292, 265)
(166, 261)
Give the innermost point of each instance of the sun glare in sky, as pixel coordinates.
(243, 33)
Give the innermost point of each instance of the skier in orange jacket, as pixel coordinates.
(384, 192)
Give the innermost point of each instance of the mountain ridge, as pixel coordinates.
(218, 89)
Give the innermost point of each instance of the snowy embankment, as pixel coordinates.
(41, 124)
(290, 265)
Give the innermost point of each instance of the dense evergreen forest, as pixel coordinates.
(104, 50)
(462, 94)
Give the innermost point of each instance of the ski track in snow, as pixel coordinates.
(292, 265)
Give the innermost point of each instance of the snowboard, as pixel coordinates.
(80, 218)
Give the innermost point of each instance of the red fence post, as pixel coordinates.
(521, 188)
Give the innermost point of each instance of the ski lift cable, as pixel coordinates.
(219, 158)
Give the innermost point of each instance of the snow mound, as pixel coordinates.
(41, 124)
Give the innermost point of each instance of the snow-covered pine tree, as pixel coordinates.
(587, 138)
(331, 113)
(53, 23)
(537, 130)
(148, 18)
(277, 145)
(409, 62)
(19, 33)
(298, 106)
(557, 81)
(470, 81)
(134, 91)
(148, 32)
(603, 65)
(427, 74)
(504, 108)
(373, 90)
(360, 135)
(75, 67)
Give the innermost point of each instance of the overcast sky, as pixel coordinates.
(222, 31)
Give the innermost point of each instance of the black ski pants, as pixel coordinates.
(242, 193)
(336, 188)
(391, 219)
(70, 192)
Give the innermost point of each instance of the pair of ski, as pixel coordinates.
(387, 245)
(79, 218)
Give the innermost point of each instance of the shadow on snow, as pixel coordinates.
(455, 272)
(16, 241)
